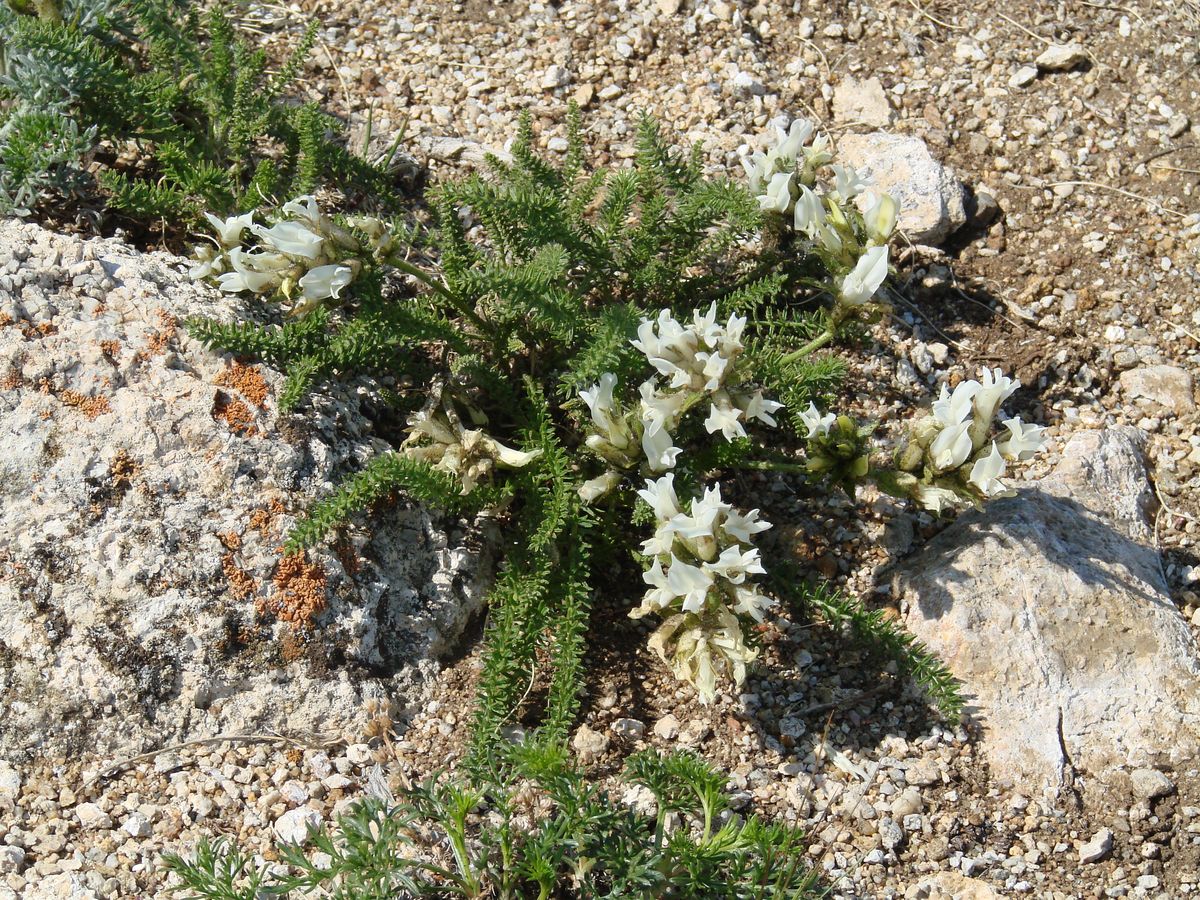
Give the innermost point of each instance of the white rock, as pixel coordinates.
(1150, 784)
(293, 826)
(1023, 77)
(11, 859)
(555, 76)
(10, 785)
(630, 729)
(906, 803)
(862, 102)
(360, 754)
(137, 825)
(669, 7)
(931, 198)
(589, 744)
(1051, 608)
(92, 818)
(667, 727)
(121, 534)
(746, 83)
(1061, 57)
(1168, 386)
(1098, 847)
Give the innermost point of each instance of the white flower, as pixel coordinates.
(818, 153)
(659, 448)
(209, 261)
(659, 410)
(304, 207)
(734, 564)
(880, 218)
(757, 407)
(257, 272)
(229, 231)
(827, 236)
(606, 416)
(847, 183)
(730, 343)
(513, 459)
(689, 582)
(714, 365)
(810, 212)
(995, 389)
(951, 447)
(292, 238)
(325, 281)
(778, 196)
(986, 473)
(597, 487)
(818, 425)
(788, 144)
(660, 595)
(705, 325)
(660, 495)
(742, 527)
(724, 420)
(700, 528)
(756, 167)
(662, 542)
(860, 285)
(751, 603)
(935, 499)
(1024, 440)
(951, 409)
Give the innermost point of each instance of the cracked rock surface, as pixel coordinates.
(146, 485)
(1053, 609)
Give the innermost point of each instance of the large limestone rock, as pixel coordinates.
(145, 487)
(1052, 608)
(932, 200)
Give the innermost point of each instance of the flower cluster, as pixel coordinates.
(952, 455)
(844, 223)
(837, 447)
(701, 562)
(305, 256)
(439, 438)
(696, 362)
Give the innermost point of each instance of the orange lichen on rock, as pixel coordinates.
(241, 584)
(247, 381)
(111, 349)
(159, 341)
(230, 540)
(92, 407)
(11, 380)
(263, 518)
(234, 413)
(33, 332)
(299, 591)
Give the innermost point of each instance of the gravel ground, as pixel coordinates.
(1086, 277)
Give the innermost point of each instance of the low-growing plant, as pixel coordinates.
(590, 354)
(551, 293)
(164, 109)
(544, 831)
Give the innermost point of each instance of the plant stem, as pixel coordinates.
(815, 344)
(767, 465)
(426, 279)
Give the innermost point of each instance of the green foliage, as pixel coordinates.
(543, 832)
(884, 636)
(208, 121)
(533, 278)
